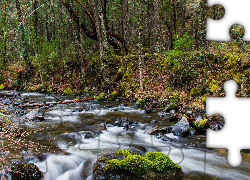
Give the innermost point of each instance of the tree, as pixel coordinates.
(23, 42)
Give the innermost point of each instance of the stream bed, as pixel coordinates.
(77, 134)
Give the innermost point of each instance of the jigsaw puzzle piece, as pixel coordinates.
(236, 12)
(235, 133)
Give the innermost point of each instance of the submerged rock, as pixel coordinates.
(127, 165)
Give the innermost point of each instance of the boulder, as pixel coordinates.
(181, 128)
(127, 165)
(34, 115)
(26, 172)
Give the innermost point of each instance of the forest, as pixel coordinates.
(134, 48)
(116, 89)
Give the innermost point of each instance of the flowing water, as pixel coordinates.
(77, 130)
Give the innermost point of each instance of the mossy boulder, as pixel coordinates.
(127, 165)
(26, 171)
(140, 102)
(113, 95)
(100, 97)
(171, 106)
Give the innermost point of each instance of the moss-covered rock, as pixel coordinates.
(100, 97)
(140, 102)
(26, 172)
(126, 165)
(113, 95)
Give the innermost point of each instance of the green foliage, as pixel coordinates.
(173, 58)
(2, 86)
(184, 43)
(202, 124)
(195, 91)
(140, 102)
(100, 97)
(175, 97)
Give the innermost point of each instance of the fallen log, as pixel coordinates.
(54, 103)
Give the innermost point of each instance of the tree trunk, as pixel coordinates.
(2, 79)
(101, 35)
(125, 19)
(156, 26)
(140, 45)
(23, 42)
(35, 18)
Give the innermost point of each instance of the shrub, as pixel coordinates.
(183, 43)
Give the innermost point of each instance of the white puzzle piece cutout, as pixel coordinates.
(236, 12)
(236, 133)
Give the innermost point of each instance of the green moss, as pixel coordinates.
(103, 159)
(175, 97)
(124, 152)
(140, 101)
(141, 165)
(100, 97)
(195, 91)
(113, 95)
(202, 124)
(161, 162)
(26, 172)
(2, 86)
(204, 98)
(86, 90)
(172, 105)
(68, 91)
(45, 88)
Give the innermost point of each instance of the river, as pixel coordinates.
(77, 130)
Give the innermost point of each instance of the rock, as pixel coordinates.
(35, 114)
(189, 112)
(175, 117)
(108, 106)
(181, 128)
(127, 165)
(26, 172)
(166, 130)
(152, 131)
(162, 114)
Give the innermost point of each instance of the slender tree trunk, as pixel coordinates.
(125, 19)
(23, 42)
(2, 79)
(101, 35)
(140, 45)
(35, 18)
(156, 26)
